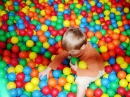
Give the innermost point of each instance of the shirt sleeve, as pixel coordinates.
(92, 66)
(58, 59)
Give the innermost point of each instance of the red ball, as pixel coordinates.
(98, 92)
(99, 10)
(4, 27)
(71, 94)
(39, 59)
(83, 13)
(46, 90)
(30, 32)
(105, 56)
(50, 28)
(32, 27)
(127, 93)
(61, 32)
(54, 92)
(20, 76)
(14, 62)
(116, 67)
(22, 32)
(6, 53)
(15, 48)
(5, 17)
(108, 39)
(26, 24)
(121, 91)
(2, 45)
(19, 84)
(54, 33)
(14, 55)
(108, 69)
(52, 49)
(60, 67)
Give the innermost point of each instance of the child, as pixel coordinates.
(75, 44)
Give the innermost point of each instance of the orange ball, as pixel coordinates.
(48, 10)
(98, 35)
(58, 87)
(30, 14)
(34, 73)
(39, 33)
(50, 75)
(110, 46)
(31, 64)
(101, 43)
(89, 92)
(112, 53)
(121, 74)
(42, 38)
(72, 22)
(116, 42)
(90, 34)
(110, 32)
(6, 59)
(115, 36)
(23, 54)
(127, 59)
(52, 82)
(73, 16)
(122, 38)
(62, 81)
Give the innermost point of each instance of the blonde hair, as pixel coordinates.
(73, 39)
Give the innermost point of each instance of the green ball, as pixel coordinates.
(124, 44)
(2, 32)
(47, 54)
(3, 80)
(20, 38)
(3, 38)
(16, 8)
(8, 35)
(128, 16)
(11, 18)
(37, 10)
(124, 33)
(26, 38)
(53, 23)
(59, 21)
(29, 94)
(13, 33)
(35, 22)
(111, 27)
(58, 38)
(92, 23)
(118, 17)
(72, 6)
(23, 62)
(9, 46)
(10, 22)
(36, 49)
(76, 10)
(20, 44)
(103, 31)
(128, 48)
(2, 7)
(93, 86)
(39, 44)
(24, 48)
(17, 18)
(95, 17)
(103, 88)
(106, 6)
(128, 69)
(114, 85)
(94, 39)
(2, 73)
(128, 32)
(62, 75)
(58, 26)
(2, 64)
(111, 92)
(73, 88)
(84, 8)
(74, 60)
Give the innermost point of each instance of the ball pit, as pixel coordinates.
(30, 37)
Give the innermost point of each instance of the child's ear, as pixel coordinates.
(83, 47)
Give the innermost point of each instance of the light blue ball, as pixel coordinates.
(11, 76)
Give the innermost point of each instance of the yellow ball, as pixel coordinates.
(61, 9)
(126, 10)
(28, 2)
(46, 45)
(32, 55)
(41, 68)
(66, 23)
(117, 95)
(78, 5)
(123, 83)
(105, 75)
(103, 49)
(14, 40)
(82, 65)
(53, 56)
(53, 18)
(97, 22)
(124, 65)
(119, 23)
(105, 95)
(77, 21)
(113, 10)
(36, 88)
(30, 43)
(70, 78)
(128, 77)
(117, 31)
(44, 27)
(9, 3)
(92, 3)
(107, 12)
(19, 68)
(127, 40)
(67, 86)
(42, 12)
(98, 82)
(61, 5)
(66, 71)
(11, 85)
(35, 81)
(129, 86)
(106, 1)
(29, 87)
(11, 69)
(120, 60)
(25, 10)
(2, 12)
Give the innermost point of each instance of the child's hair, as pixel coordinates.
(73, 39)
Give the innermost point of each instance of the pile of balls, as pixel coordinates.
(30, 37)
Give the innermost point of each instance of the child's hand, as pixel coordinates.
(74, 67)
(44, 73)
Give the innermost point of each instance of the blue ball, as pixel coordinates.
(24, 95)
(99, 4)
(20, 91)
(66, 61)
(66, 11)
(112, 15)
(105, 82)
(97, 27)
(16, 3)
(35, 38)
(21, 26)
(27, 78)
(126, 27)
(36, 93)
(11, 28)
(11, 76)
(83, 20)
(62, 94)
(51, 41)
(27, 70)
(56, 73)
(88, 6)
(42, 50)
(13, 92)
(20, 21)
(47, 34)
(48, 22)
(60, 13)
(113, 20)
(42, 84)
(112, 60)
(38, 27)
(82, 25)
(112, 77)
(115, 25)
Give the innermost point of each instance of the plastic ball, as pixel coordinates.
(103, 49)
(74, 60)
(112, 77)
(13, 92)
(2, 64)
(82, 65)
(29, 43)
(62, 81)
(98, 92)
(70, 78)
(36, 93)
(19, 68)
(62, 94)
(66, 71)
(121, 91)
(11, 69)
(11, 85)
(105, 82)
(116, 67)
(35, 81)
(123, 83)
(14, 40)
(112, 60)
(52, 82)
(98, 82)
(73, 88)
(108, 69)
(44, 28)
(67, 86)
(54, 92)
(71, 94)
(29, 87)
(121, 74)
(66, 23)
(114, 85)
(27, 70)
(128, 77)
(94, 39)
(89, 92)
(2, 73)
(20, 76)
(46, 90)
(56, 73)
(11, 76)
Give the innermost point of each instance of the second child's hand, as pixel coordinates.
(44, 73)
(74, 67)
